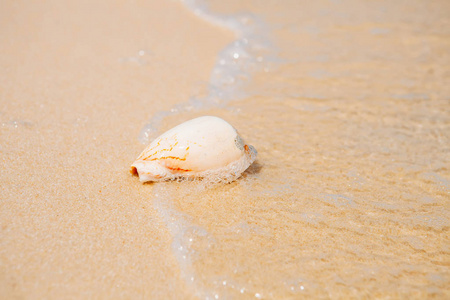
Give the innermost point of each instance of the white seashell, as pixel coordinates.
(206, 147)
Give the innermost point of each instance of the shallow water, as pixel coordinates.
(348, 105)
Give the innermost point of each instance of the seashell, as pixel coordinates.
(206, 147)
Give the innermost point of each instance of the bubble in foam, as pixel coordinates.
(206, 147)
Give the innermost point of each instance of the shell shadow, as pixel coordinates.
(255, 168)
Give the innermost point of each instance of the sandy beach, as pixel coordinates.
(350, 113)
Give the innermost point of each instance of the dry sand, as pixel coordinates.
(74, 222)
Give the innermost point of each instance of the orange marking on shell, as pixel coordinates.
(148, 150)
(178, 169)
(169, 157)
(156, 152)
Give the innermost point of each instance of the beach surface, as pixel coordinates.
(347, 103)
